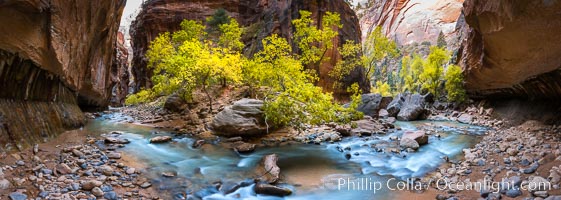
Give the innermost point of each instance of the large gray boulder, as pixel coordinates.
(372, 103)
(408, 107)
(175, 103)
(244, 118)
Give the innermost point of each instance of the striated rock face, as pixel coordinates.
(409, 21)
(54, 55)
(262, 17)
(120, 72)
(512, 48)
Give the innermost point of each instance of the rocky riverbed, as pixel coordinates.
(75, 166)
(137, 152)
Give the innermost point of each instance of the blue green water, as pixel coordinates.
(198, 169)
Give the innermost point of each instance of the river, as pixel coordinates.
(310, 171)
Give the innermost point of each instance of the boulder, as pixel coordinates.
(243, 147)
(115, 140)
(160, 139)
(408, 143)
(372, 103)
(383, 113)
(409, 107)
(465, 118)
(419, 136)
(395, 105)
(267, 170)
(243, 118)
(267, 189)
(175, 103)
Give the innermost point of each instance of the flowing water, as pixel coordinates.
(311, 171)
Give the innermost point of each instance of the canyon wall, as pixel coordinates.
(120, 72)
(54, 56)
(261, 17)
(512, 48)
(411, 21)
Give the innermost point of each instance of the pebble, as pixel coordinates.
(89, 185)
(512, 193)
(4, 184)
(97, 192)
(20, 163)
(130, 170)
(114, 155)
(77, 153)
(146, 185)
(110, 195)
(17, 196)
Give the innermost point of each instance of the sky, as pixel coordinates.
(131, 8)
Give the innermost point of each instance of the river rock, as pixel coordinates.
(408, 143)
(465, 118)
(175, 103)
(383, 113)
(267, 170)
(419, 136)
(243, 147)
(267, 189)
(130, 170)
(243, 118)
(96, 191)
(366, 127)
(17, 196)
(513, 193)
(408, 107)
(538, 183)
(63, 168)
(114, 155)
(90, 184)
(372, 103)
(160, 139)
(115, 140)
(4, 184)
(198, 144)
(105, 170)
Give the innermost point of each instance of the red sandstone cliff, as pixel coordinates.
(512, 48)
(410, 21)
(54, 55)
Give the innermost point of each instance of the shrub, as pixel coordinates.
(454, 84)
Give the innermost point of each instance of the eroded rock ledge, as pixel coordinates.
(54, 56)
(512, 48)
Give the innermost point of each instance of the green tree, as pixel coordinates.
(292, 99)
(411, 69)
(377, 48)
(314, 40)
(382, 88)
(454, 84)
(188, 60)
(219, 17)
(441, 41)
(432, 69)
(351, 53)
(375, 51)
(185, 61)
